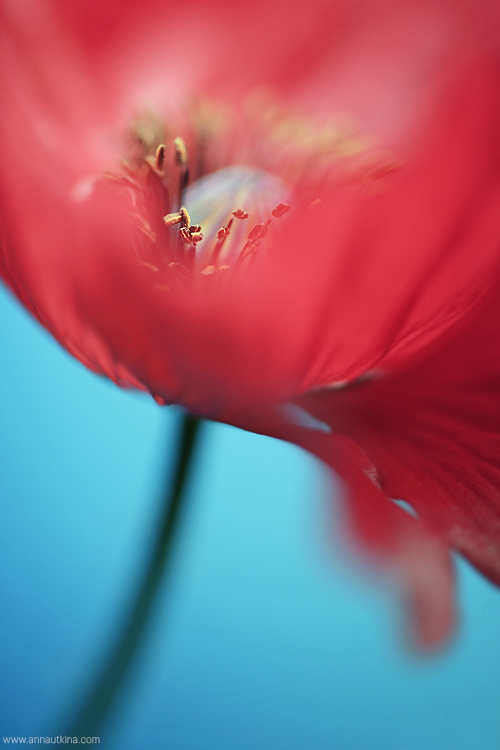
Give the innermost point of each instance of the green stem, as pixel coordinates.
(113, 675)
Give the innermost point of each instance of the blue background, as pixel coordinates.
(268, 637)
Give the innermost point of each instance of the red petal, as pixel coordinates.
(405, 264)
(414, 556)
(340, 292)
(432, 433)
(336, 53)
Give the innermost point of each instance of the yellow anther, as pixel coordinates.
(157, 162)
(160, 157)
(181, 152)
(191, 237)
(180, 217)
(171, 219)
(186, 217)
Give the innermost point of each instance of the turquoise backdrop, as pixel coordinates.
(268, 638)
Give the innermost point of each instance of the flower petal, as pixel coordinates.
(371, 272)
(405, 263)
(432, 432)
(411, 553)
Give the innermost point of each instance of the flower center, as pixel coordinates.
(209, 226)
(197, 212)
(231, 213)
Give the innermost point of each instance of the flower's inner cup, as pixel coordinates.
(257, 199)
(210, 200)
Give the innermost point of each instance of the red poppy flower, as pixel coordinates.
(332, 284)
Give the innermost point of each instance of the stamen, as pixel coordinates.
(192, 238)
(223, 202)
(222, 236)
(280, 210)
(181, 153)
(180, 217)
(223, 233)
(157, 162)
(160, 157)
(172, 219)
(295, 153)
(185, 215)
(259, 232)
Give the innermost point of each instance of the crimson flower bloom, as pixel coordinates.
(285, 217)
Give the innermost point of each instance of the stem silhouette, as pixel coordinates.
(112, 677)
